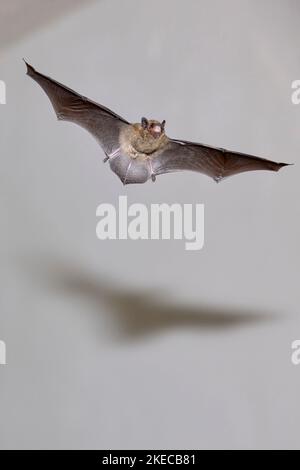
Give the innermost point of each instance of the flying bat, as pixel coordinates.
(140, 151)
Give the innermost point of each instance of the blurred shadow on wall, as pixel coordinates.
(21, 17)
(144, 312)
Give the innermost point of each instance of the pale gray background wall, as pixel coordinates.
(143, 344)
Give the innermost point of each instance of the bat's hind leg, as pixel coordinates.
(153, 176)
(110, 156)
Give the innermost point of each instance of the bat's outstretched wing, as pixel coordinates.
(68, 105)
(214, 162)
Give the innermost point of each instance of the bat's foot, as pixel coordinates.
(218, 178)
(153, 177)
(105, 159)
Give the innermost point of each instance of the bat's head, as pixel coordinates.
(155, 128)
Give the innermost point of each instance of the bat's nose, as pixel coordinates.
(157, 128)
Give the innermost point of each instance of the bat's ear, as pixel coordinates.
(144, 123)
(163, 125)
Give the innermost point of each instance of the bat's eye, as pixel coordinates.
(144, 123)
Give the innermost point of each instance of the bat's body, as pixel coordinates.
(133, 160)
(138, 152)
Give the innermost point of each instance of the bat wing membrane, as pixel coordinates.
(214, 162)
(68, 105)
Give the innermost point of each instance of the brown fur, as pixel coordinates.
(139, 142)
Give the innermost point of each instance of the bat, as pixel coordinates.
(140, 151)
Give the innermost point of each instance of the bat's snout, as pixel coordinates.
(156, 128)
